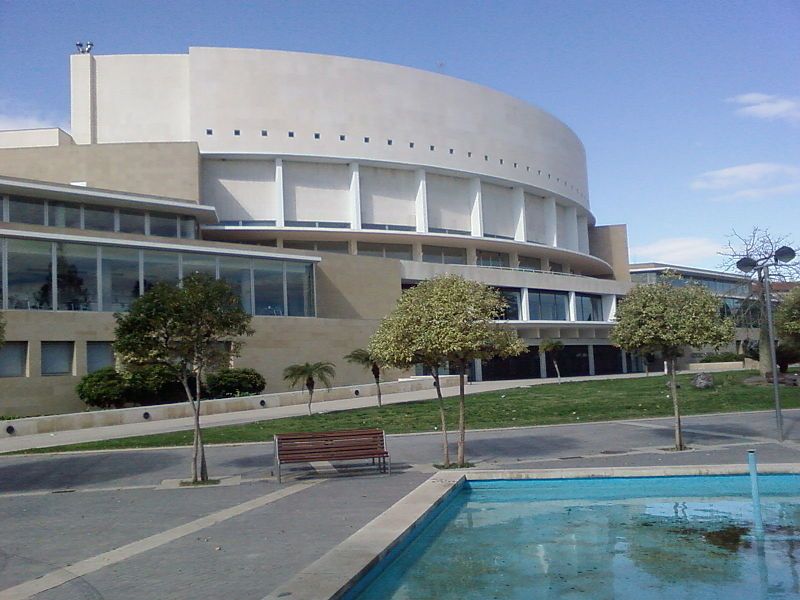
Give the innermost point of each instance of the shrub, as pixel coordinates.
(228, 383)
(103, 388)
(722, 357)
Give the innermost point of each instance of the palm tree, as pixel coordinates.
(553, 348)
(309, 373)
(362, 357)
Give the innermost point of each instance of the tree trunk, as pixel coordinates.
(310, 387)
(673, 383)
(764, 354)
(198, 432)
(462, 417)
(196, 411)
(558, 372)
(445, 442)
(376, 373)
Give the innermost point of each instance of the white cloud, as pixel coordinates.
(680, 251)
(766, 106)
(750, 182)
(13, 116)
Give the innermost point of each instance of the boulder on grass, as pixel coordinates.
(703, 381)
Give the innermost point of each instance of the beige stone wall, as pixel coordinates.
(161, 169)
(276, 343)
(610, 242)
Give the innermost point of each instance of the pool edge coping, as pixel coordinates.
(332, 575)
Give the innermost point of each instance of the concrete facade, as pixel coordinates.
(379, 175)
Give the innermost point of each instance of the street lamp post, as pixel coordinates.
(748, 265)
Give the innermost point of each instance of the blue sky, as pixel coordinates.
(689, 111)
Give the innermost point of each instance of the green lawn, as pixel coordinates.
(537, 405)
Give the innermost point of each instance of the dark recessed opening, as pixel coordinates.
(10, 430)
(356, 393)
(263, 403)
(146, 415)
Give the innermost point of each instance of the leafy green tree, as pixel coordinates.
(659, 317)
(189, 330)
(309, 374)
(446, 319)
(553, 348)
(787, 318)
(362, 357)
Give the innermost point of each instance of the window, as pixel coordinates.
(13, 359)
(398, 251)
(209, 132)
(366, 140)
(188, 228)
(268, 287)
(469, 154)
(131, 221)
(99, 355)
(323, 246)
(493, 259)
(291, 134)
(236, 272)
(57, 358)
(316, 136)
(451, 151)
(444, 255)
(530, 263)
(64, 214)
(299, 289)
(556, 267)
(160, 267)
(548, 306)
(23, 210)
(589, 307)
(388, 142)
(76, 275)
(501, 161)
(511, 311)
(99, 219)
(410, 144)
(433, 147)
(264, 133)
(120, 285)
(486, 157)
(342, 137)
(163, 225)
(29, 275)
(205, 264)
(237, 132)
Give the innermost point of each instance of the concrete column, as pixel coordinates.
(542, 364)
(573, 307)
(610, 300)
(477, 207)
(421, 205)
(591, 359)
(583, 234)
(478, 370)
(513, 260)
(83, 100)
(550, 222)
(472, 256)
(624, 362)
(352, 247)
(416, 251)
(280, 216)
(519, 208)
(524, 308)
(355, 197)
(545, 264)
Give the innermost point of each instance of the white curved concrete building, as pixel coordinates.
(325, 148)
(319, 187)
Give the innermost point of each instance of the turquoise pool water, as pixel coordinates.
(621, 538)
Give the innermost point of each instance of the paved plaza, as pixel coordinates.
(113, 525)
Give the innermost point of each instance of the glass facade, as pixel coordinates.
(530, 263)
(57, 358)
(55, 213)
(13, 359)
(548, 306)
(512, 298)
(93, 277)
(99, 355)
(444, 255)
(399, 251)
(321, 246)
(716, 285)
(589, 307)
(492, 259)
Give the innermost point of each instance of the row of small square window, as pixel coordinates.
(390, 142)
(57, 358)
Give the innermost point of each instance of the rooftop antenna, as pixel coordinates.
(84, 48)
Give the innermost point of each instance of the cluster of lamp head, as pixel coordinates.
(784, 254)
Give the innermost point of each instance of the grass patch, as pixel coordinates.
(571, 402)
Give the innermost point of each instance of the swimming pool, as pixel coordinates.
(637, 538)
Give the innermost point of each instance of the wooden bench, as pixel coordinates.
(351, 444)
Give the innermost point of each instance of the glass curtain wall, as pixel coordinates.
(120, 282)
(548, 306)
(589, 307)
(76, 277)
(30, 275)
